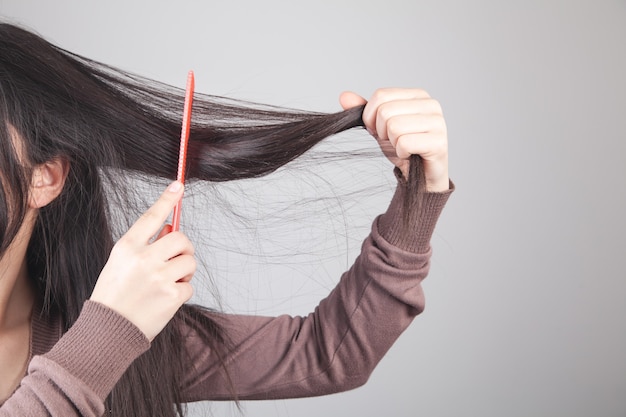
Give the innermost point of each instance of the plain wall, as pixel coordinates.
(526, 305)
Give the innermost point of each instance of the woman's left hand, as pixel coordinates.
(406, 122)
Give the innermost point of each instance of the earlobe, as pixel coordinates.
(47, 182)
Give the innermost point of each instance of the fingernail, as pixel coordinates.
(174, 187)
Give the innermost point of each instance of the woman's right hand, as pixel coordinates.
(147, 281)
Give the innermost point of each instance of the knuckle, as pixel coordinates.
(393, 127)
(401, 146)
(144, 262)
(188, 267)
(120, 245)
(123, 245)
(189, 247)
(441, 144)
(385, 112)
(174, 238)
(440, 125)
(170, 292)
(435, 106)
(420, 92)
(148, 215)
(185, 291)
(183, 242)
(380, 94)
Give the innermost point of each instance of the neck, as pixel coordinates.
(16, 294)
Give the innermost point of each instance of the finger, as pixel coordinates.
(391, 109)
(186, 278)
(427, 145)
(180, 269)
(348, 99)
(385, 95)
(151, 221)
(172, 245)
(413, 123)
(185, 291)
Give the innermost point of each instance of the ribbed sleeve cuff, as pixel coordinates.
(391, 225)
(99, 347)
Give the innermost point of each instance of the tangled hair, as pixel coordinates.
(103, 121)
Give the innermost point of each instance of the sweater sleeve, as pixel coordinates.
(76, 375)
(336, 347)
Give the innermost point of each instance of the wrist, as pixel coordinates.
(440, 185)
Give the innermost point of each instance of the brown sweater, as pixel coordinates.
(333, 349)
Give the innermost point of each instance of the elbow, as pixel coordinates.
(353, 382)
(350, 375)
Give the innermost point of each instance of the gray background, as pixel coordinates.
(526, 297)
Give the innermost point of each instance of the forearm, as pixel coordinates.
(336, 347)
(74, 378)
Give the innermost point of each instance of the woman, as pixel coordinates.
(89, 327)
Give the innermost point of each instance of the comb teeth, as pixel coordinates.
(184, 134)
(184, 138)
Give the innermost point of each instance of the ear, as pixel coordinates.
(47, 182)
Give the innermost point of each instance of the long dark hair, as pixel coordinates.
(104, 122)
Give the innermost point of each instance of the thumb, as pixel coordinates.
(348, 99)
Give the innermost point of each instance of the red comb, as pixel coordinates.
(184, 139)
